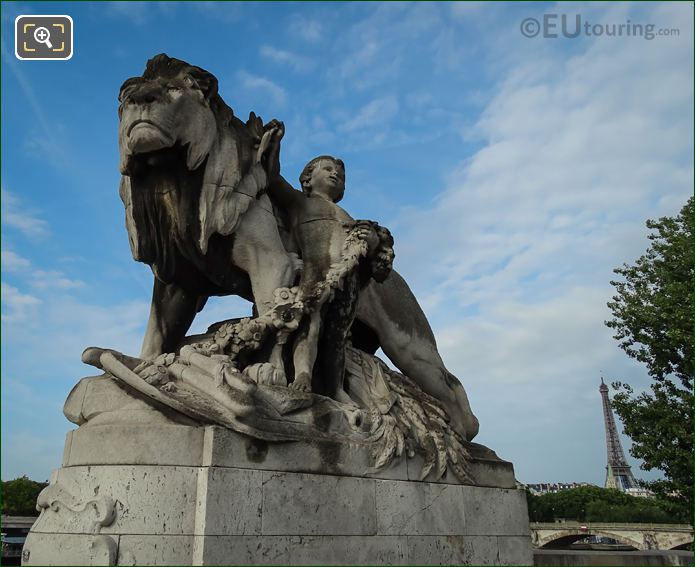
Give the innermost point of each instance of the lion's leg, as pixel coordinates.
(392, 312)
(171, 315)
(258, 250)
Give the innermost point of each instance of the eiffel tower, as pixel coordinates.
(618, 473)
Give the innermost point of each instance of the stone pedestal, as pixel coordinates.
(164, 494)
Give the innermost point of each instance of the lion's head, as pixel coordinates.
(183, 156)
(172, 103)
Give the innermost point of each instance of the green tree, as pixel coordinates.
(19, 496)
(652, 319)
(594, 504)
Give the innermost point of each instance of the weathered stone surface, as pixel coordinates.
(514, 550)
(226, 448)
(454, 550)
(148, 499)
(305, 550)
(485, 509)
(419, 508)
(151, 445)
(229, 501)
(155, 550)
(302, 504)
(220, 447)
(68, 549)
(222, 515)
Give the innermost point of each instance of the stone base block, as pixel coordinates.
(210, 507)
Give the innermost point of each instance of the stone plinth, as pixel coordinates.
(181, 495)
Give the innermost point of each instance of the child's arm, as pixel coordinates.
(281, 192)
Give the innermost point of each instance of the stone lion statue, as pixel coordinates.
(193, 187)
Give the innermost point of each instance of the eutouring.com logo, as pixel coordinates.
(553, 26)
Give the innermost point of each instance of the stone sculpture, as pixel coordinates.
(197, 211)
(294, 388)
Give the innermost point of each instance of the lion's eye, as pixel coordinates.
(174, 92)
(189, 81)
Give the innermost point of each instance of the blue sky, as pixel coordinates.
(515, 174)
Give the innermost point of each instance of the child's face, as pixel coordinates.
(328, 180)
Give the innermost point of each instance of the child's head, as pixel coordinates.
(324, 175)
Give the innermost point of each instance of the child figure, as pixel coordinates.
(320, 228)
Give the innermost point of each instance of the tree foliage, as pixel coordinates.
(594, 504)
(19, 496)
(653, 322)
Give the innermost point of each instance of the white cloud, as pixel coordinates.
(467, 9)
(373, 115)
(229, 12)
(513, 260)
(283, 57)
(64, 326)
(308, 29)
(16, 216)
(17, 306)
(46, 139)
(263, 85)
(53, 279)
(12, 262)
(41, 279)
(376, 49)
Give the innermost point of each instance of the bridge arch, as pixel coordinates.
(683, 543)
(564, 538)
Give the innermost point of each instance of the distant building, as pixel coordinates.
(640, 492)
(553, 487)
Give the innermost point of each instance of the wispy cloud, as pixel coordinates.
(309, 29)
(139, 13)
(53, 279)
(228, 12)
(467, 9)
(17, 306)
(283, 57)
(264, 86)
(12, 262)
(374, 51)
(373, 115)
(517, 282)
(16, 216)
(52, 146)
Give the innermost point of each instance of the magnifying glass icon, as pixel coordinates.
(42, 35)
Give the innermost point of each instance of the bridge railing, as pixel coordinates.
(604, 525)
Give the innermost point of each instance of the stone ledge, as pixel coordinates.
(62, 549)
(219, 447)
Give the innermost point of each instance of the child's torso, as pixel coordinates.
(321, 230)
